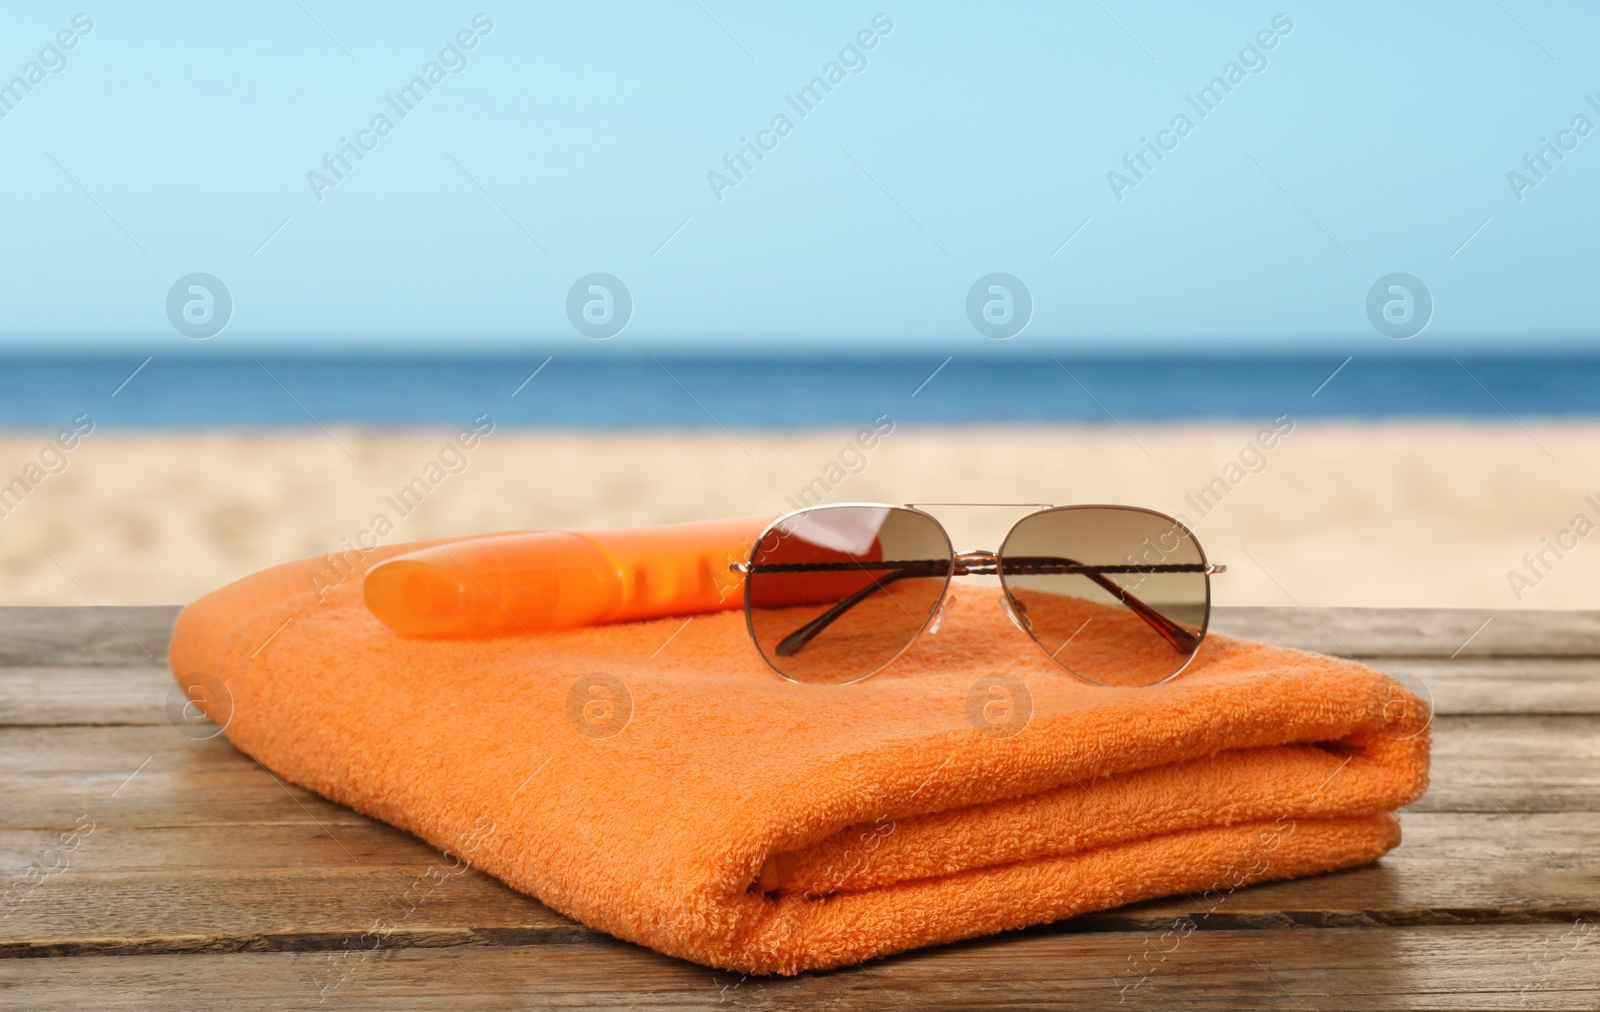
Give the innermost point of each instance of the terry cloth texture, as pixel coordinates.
(657, 781)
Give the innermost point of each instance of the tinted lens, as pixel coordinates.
(837, 592)
(1116, 595)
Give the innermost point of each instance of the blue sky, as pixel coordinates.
(577, 139)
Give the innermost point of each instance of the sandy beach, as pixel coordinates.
(1379, 514)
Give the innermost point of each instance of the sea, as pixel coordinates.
(540, 391)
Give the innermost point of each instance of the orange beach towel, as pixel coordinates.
(657, 781)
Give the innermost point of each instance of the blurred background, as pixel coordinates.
(292, 275)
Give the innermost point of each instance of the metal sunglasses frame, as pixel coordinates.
(986, 563)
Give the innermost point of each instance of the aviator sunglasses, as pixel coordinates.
(1116, 595)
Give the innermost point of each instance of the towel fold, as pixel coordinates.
(657, 781)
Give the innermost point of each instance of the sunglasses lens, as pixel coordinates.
(837, 592)
(1116, 595)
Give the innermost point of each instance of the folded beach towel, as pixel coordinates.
(657, 781)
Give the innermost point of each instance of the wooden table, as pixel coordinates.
(150, 868)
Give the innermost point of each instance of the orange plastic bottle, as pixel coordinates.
(535, 581)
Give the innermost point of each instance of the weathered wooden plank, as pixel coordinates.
(1550, 966)
(53, 696)
(142, 776)
(316, 880)
(119, 635)
(1419, 632)
(80, 694)
(49, 776)
(300, 887)
(1513, 764)
(1450, 868)
(1505, 685)
(138, 635)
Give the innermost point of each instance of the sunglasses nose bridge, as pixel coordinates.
(981, 559)
(990, 561)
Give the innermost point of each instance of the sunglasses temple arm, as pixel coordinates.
(1180, 639)
(792, 643)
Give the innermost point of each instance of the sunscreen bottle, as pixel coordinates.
(536, 581)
